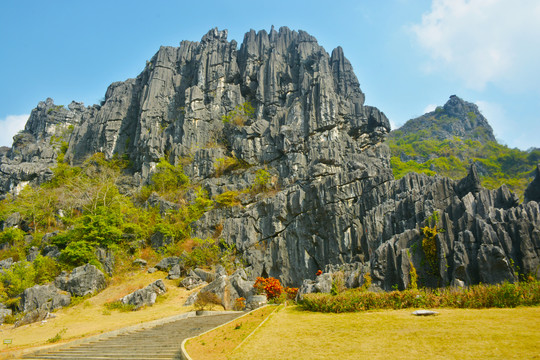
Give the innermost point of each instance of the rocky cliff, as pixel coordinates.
(334, 199)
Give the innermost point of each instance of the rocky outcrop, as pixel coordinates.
(6, 263)
(4, 311)
(44, 297)
(333, 198)
(34, 316)
(36, 148)
(352, 275)
(485, 236)
(532, 193)
(167, 263)
(82, 281)
(226, 288)
(146, 296)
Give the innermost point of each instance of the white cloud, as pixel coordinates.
(429, 108)
(9, 126)
(484, 41)
(495, 115)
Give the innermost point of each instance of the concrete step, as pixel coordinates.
(160, 342)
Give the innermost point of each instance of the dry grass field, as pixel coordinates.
(91, 317)
(454, 334)
(216, 344)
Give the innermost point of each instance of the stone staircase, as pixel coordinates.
(160, 342)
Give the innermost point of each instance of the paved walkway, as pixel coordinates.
(160, 342)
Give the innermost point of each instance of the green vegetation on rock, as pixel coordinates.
(423, 152)
(83, 209)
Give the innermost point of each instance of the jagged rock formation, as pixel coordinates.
(44, 297)
(146, 296)
(457, 118)
(532, 193)
(335, 200)
(35, 149)
(82, 281)
(487, 236)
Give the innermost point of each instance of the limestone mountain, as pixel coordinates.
(448, 140)
(281, 114)
(457, 118)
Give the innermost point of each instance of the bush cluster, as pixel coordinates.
(240, 115)
(475, 297)
(274, 290)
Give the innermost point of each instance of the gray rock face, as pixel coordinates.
(163, 205)
(13, 221)
(33, 316)
(158, 240)
(532, 193)
(83, 280)
(205, 275)
(349, 275)
(44, 297)
(6, 263)
(192, 281)
(51, 251)
(106, 258)
(175, 272)
(33, 253)
(486, 237)
(167, 263)
(36, 148)
(139, 262)
(334, 199)
(146, 296)
(3, 313)
(228, 289)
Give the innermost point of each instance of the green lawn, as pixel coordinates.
(396, 334)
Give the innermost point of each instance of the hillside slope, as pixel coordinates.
(448, 140)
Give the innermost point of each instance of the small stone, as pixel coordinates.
(425, 313)
(139, 262)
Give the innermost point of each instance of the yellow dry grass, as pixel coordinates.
(454, 334)
(90, 317)
(216, 344)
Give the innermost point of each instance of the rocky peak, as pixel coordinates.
(457, 118)
(470, 183)
(215, 35)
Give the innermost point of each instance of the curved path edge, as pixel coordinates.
(185, 355)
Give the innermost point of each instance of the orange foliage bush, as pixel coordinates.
(271, 286)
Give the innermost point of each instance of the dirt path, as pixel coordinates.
(159, 342)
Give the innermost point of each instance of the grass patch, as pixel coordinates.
(475, 297)
(117, 305)
(57, 337)
(91, 317)
(219, 343)
(395, 334)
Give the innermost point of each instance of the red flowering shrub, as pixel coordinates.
(271, 286)
(291, 292)
(240, 303)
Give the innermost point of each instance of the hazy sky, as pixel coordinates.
(409, 55)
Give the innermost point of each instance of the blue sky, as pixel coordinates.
(409, 55)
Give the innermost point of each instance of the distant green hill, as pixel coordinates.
(447, 140)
